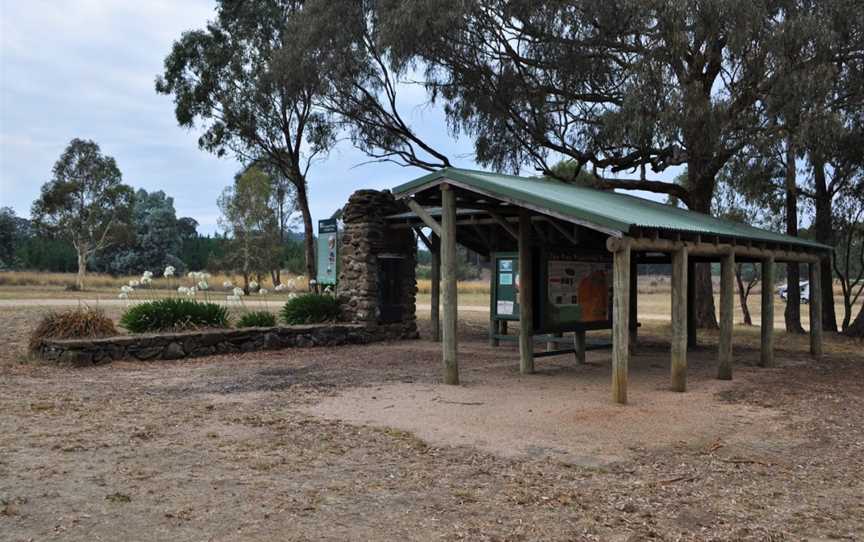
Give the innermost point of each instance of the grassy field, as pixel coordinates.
(654, 300)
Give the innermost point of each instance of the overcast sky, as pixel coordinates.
(85, 68)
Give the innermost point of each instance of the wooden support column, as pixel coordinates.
(526, 295)
(680, 317)
(767, 357)
(692, 337)
(436, 288)
(727, 298)
(815, 309)
(620, 319)
(634, 295)
(494, 325)
(579, 347)
(448, 274)
(494, 329)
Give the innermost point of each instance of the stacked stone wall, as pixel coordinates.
(211, 342)
(366, 238)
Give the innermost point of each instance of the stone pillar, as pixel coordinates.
(365, 237)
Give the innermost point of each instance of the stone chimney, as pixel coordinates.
(377, 283)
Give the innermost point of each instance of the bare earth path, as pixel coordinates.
(362, 443)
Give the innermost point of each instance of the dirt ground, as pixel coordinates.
(363, 443)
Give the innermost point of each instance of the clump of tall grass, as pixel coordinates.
(78, 323)
(257, 319)
(311, 309)
(174, 314)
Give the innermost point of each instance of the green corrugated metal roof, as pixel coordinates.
(605, 210)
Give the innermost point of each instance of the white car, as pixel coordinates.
(805, 291)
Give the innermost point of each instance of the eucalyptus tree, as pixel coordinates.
(849, 254)
(154, 239)
(365, 78)
(248, 218)
(255, 92)
(85, 202)
(615, 85)
(9, 236)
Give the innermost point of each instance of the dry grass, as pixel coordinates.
(424, 286)
(78, 323)
(98, 281)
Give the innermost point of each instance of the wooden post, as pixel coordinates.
(448, 273)
(494, 327)
(633, 317)
(493, 323)
(727, 298)
(526, 295)
(815, 287)
(436, 288)
(579, 346)
(692, 337)
(620, 320)
(680, 317)
(767, 357)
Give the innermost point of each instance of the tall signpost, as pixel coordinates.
(328, 252)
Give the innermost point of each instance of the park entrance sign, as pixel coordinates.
(328, 252)
(566, 258)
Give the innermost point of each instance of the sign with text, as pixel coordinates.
(328, 251)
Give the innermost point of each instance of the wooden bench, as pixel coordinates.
(578, 339)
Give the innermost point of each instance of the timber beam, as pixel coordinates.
(427, 219)
(700, 248)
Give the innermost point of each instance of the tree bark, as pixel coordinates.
(308, 230)
(856, 328)
(742, 296)
(792, 314)
(824, 234)
(82, 268)
(702, 191)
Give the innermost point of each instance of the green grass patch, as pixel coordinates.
(310, 309)
(174, 314)
(257, 319)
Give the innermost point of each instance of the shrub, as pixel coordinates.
(257, 319)
(172, 314)
(80, 323)
(310, 308)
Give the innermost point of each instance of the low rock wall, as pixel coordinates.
(212, 342)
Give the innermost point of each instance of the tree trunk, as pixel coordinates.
(856, 328)
(308, 231)
(702, 191)
(742, 296)
(82, 268)
(792, 313)
(824, 234)
(246, 261)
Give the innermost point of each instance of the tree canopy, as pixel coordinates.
(254, 91)
(85, 202)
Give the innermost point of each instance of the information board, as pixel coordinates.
(577, 291)
(328, 251)
(573, 289)
(505, 301)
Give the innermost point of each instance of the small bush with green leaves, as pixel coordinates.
(172, 314)
(79, 323)
(257, 319)
(310, 309)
